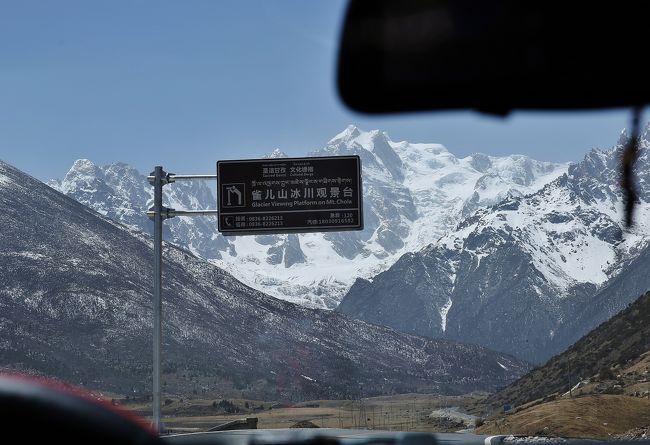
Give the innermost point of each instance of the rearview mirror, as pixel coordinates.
(493, 56)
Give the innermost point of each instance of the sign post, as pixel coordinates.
(255, 196)
(157, 289)
(158, 213)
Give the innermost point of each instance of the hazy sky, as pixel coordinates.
(185, 83)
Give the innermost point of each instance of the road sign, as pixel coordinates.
(284, 195)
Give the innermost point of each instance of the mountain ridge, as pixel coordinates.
(75, 303)
(513, 276)
(413, 194)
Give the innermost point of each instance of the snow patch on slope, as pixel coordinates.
(443, 314)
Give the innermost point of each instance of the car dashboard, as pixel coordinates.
(332, 436)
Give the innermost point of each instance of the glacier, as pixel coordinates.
(414, 193)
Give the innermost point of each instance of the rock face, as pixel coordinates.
(528, 275)
(75, 303)
(413, 194)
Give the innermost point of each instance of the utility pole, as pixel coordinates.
(569, 375)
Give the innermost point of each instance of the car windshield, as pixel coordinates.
(431, 272)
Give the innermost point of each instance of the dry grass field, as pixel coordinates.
(404, 412)
(594, 416)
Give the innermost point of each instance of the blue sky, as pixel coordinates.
(185, 83)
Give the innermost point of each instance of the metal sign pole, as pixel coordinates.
(158, 178)
(157, 291)
(326, 190)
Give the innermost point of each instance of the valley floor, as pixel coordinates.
(609, 406)
(403, 412)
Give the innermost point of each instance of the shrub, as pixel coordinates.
(226, 405)
(606, 374)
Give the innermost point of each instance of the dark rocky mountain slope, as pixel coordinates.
(75, 303)
(616, 344)
(527, 276)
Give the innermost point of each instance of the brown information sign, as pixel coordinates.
(289, 195)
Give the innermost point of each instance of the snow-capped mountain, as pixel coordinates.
(75, 303)
(514, 276)
(123, 194)
(413, 194)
